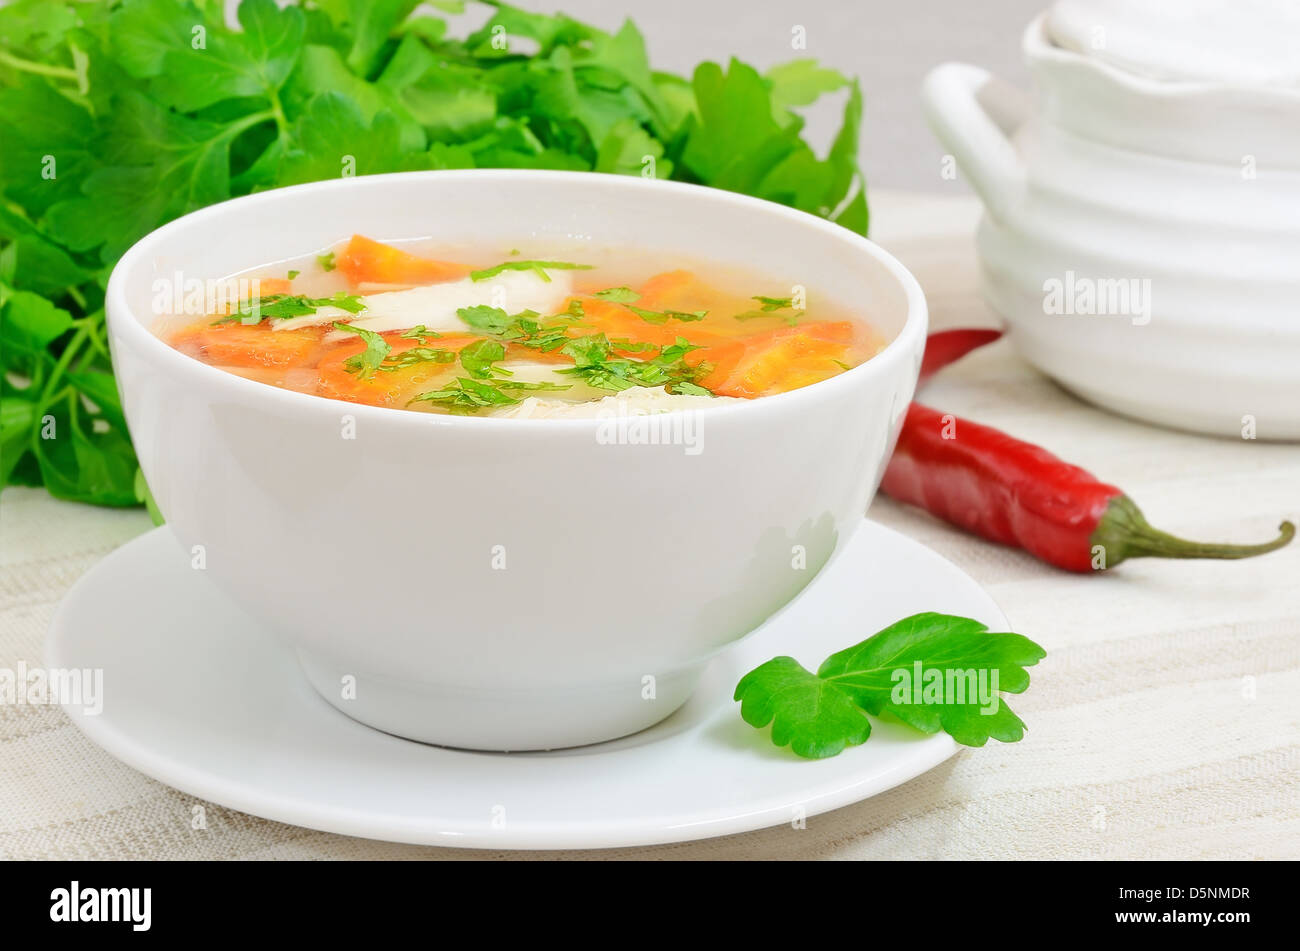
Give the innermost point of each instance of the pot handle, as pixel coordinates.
(972, 113)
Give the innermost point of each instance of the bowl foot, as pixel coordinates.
(499, 720)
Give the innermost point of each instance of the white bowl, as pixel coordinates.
(496, 583)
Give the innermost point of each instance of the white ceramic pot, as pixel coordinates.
(1141, 237)
(498, 583)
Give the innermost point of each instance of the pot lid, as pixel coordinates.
(1238, 42)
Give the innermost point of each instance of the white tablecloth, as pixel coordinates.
(1164, 723)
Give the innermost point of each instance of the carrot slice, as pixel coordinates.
(266, 286)
(365, 260)
(618, 323)
(250, 345)
(775, 361)
(678, 290)
(385, 387)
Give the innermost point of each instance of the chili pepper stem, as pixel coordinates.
(1123, 532)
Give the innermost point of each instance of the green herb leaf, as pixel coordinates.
(372, 358)
(816, 718)
(540, 267)
(663, 316)
(619, 295)
(421, 333)
(418, 355)
(773, 303)
(485, 319)
(597, 367)
(931, 671)
(478, 358)
(802, 82)
(285, 306)
(466, 395)
(326, 261)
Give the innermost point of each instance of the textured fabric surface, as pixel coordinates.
(1165, 722)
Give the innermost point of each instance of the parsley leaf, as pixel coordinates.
(421, 333)
(370, 359)
(418, 355)
(663, 316)
(931, 671)
(485, 319)
(769, 308)
(478, 358)
(285, 306)
(467, 395)
(619, 295)
(540, 267)
(524, 328)
(595, 365)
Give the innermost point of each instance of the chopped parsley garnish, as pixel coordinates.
(525, 328)
(540, 267)
(597, 367)
(478, 358)
(768, 307)
(370, 359)
(418, 355)
(663, 316)
(485, 319)
(326, 261)
(631, 346)
(486, 386)
(528, 331)
(773, 303)
(285, 306)
(619, 295)
(293, 274)
(421, 333)
(791, 319)
(676, 350)
(467, 395)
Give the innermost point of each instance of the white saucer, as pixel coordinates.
(196, 696)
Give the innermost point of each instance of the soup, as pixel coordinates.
(554, 332)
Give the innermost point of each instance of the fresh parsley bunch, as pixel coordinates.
(116, 117)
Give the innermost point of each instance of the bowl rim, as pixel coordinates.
(124, 324)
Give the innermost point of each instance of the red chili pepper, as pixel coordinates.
(1015, 493)
(949, 346)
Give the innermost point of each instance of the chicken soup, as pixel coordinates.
(536, 333)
